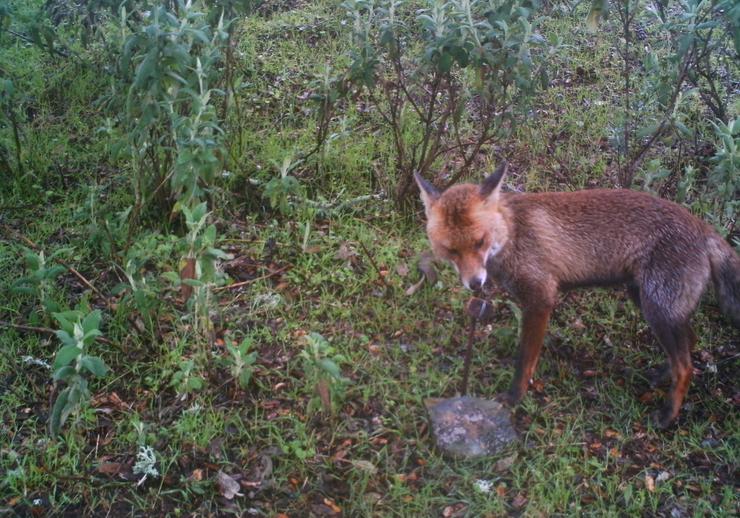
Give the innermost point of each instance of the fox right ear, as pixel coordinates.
(429, 193)
(491, 186)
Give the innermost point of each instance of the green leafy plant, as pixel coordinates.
(77, 333)
(461, 88)
(184, 380)
(240, 361)
(9, 109)
(40, 278)
(198, 273)
(321, 366)
(283, 188)
(171, 128)
(694, 41)
(724, 180)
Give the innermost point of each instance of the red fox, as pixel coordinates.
(536, 245)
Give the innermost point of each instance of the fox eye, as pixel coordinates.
(479, 244)
(452, 252)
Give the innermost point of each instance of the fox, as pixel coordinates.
(538, 245)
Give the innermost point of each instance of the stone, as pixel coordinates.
(467, 427)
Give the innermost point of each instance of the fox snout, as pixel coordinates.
(475, 283)
(474, 280)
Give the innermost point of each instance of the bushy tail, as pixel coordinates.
(726, 275)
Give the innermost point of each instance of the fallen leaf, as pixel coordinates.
(612, 434)
(365, 466)
(227, 486)
(332, 505)
(402, 269)
(429, 273)
(501, 490)
(538, 386)
(345, 253)
(322, 388)
(505, 463)
(111, 399)
(112, 468)
(647, 397)
(649, 483)
(322, 510)
(455, 510)
(519, 501)
(187, 273)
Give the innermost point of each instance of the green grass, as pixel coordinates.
(586, 447)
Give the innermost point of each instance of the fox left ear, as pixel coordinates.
(491, 186)
(429, 193)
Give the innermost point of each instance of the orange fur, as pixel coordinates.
(537, 245)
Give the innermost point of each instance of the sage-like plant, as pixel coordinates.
(73, 364)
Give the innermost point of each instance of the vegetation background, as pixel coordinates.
(209, 241)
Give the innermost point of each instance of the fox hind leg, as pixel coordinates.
(676, 339)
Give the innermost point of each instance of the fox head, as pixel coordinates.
(466, 225)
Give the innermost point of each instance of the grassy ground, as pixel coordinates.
(585, 448)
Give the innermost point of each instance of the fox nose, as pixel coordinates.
(475, 283)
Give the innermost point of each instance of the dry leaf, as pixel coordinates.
(519, 501)
(647, 397)
(505, 463)
(365, 466)
(428, 271)
(455, 510)
(113, 468)
(332, 505)
(402, 269)
(322, 387)
(649, 483)
(345, 253)
(611, 434)
(227, 486)
(187, 272)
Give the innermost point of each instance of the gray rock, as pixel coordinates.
(467, 427)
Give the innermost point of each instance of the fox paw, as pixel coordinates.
(663, 419)
(659, 376)
(509, 399)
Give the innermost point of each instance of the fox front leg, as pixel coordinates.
(534, 326)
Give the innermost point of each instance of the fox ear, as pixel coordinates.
(429, 193)
(491, 186)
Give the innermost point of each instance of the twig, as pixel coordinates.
(77, 274)
(44, 330)
(250, 281)
(388, 287)
(468, 354)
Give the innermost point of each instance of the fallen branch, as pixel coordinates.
(43, 330)
(388, 287)
(77, 274)
(250, 281)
